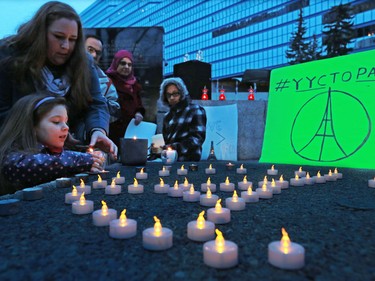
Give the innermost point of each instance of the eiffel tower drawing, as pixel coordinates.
(325, 132)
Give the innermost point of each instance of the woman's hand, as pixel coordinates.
(138, 118)
(101, 141)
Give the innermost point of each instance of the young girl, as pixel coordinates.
(32, 145)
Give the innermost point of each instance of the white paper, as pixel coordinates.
(145, 130)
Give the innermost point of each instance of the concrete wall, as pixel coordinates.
(251, 124)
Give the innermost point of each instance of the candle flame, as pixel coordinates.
(273, 183)
(82, 184)
(157, 227)
(99, 178)
(285, 241)
(218, 206)
(161, 182)
(235, 196)
(241, 167)
(208, 181)
(249, 190)
(219, 241)
(244, 179)
(318, 174)
(210, 167)
(182, 167)
(186, 182)
(265, 179)
(118, 174)
(104, 209)
(307, 175)
(227, 181)
(209, 193)
(82, 199)
(113, 183)
(163, 169)
(281, 178)
(175, 186)
(296, 177)
(300, 169)
(200, 220)
(330, 172)
(74, 191)
(141, 171)
(123, 218)
(192, 189)
(336, 171)
(90, 150)
(135, 182)
(264, 187)
(273, 167)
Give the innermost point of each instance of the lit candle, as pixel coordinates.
(72, 196)
(250, 196)
(264, 192)
(99, 183)
(182, 171)
(201, 230)
(300, 172)
(337, 174)
(208, 199)
(161, 187)
(157, 238)
(164, 172)
(284, 183)
(218, 215)
(220, 253)
(297, 181)
(191, 195)
(244, 184)
(308, 180)
(318, 178)
(113, 189)
(226, 186)
(264, 181)
(141, 175)
(272, 171)
(32, 193)
(135, 188)
(210, 170)
(276, 188)
(119, 179)
(103, 216)
(122, 228)
(176, 190)
(230, 166)
(63, 182)
(169, 156)
(234, 203)
(208, 184)
(330, 176)
(285, 254)
(83, 187)
(185, 186)
(83, 206)
(371, 183)
(241, 170)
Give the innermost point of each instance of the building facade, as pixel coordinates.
(231, 35)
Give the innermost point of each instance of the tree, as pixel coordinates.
(339, 31)
(297, 52)
(314, 51)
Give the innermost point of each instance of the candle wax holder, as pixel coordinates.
(117, 231)
(85, 209)
(238, 205)
(227, 259)
(250, 198)
(208, 201)
(201, 234)
(161, 189)
(221, 217)
(295, 259)
(157, 242)
(99, 219)
(175, 192)
(204, 186)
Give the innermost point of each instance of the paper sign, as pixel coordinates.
(145, 130)
(321, 113)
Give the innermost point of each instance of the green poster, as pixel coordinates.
(322, 113)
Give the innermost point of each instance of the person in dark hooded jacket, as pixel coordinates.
(184, 126)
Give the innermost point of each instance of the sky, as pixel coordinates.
(15, 12)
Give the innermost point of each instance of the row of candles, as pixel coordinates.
(283, 254)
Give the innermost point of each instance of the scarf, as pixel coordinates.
(58, 86)
(112, 70)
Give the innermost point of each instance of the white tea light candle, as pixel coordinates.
(122, 228)
(218, 215)
(83, 206)
(157, 238)
(208, 184)
(227, 186)
(201, 230)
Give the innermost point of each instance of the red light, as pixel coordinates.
(204, 94)
(222, 94)
(251, 94)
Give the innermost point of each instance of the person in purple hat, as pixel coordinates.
(121, 72)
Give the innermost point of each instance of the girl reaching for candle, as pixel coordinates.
(32, 145)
